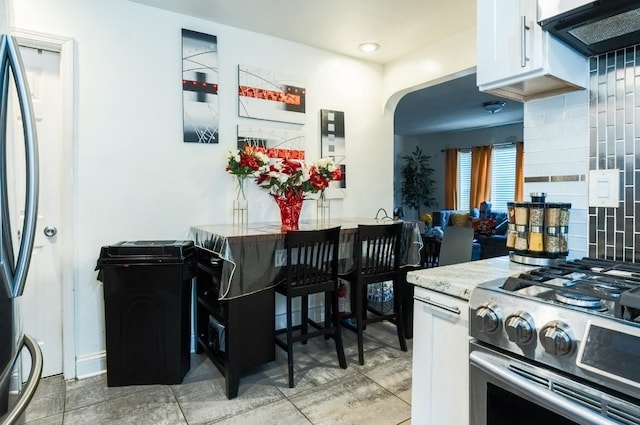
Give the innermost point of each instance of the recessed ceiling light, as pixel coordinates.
(368, 47)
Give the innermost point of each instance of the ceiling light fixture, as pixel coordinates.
(493, 107)
(368, 47)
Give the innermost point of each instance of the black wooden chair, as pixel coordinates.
(377, 258)
(312, 267)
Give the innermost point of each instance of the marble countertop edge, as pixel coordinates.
(459, 280)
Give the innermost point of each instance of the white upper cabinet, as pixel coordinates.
(519, 61)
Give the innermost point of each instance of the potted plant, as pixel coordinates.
(417, 184)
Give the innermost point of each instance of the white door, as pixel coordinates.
(41, 303)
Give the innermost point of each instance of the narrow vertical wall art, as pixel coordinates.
(332, 142)
(200, 87)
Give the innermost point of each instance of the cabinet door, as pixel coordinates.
(440, 377)
(509, 39)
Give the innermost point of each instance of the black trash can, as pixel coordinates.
(147, 304)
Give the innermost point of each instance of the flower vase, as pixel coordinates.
(290, 208)
(323, 208)
(240, 206)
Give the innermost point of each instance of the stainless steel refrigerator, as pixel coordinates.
(15, 255)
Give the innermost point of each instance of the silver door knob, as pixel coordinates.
(50, 231)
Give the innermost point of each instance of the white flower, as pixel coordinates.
(234, 155)
(262, 157)
(326, 163)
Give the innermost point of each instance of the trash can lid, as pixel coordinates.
(132, 252)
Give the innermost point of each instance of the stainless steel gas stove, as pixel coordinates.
(562, 339)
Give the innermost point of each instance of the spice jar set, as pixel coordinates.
(538, 230)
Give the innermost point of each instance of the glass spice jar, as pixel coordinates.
(564, 215)
(521, 240)
(536, 242)
(512, 235)
(521, 213)
(511, 226)
(563, 242)
(511, 212)
(552, 214)
(564, 228)
(552, 240)
(536, 216)
(536, 227)
(552, 228)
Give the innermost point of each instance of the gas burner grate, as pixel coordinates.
(630, 304)
(604, 286)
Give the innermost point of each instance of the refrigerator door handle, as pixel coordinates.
(29, 388)
(11, 61)
(6, 249)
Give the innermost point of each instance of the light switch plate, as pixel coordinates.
(604, 186)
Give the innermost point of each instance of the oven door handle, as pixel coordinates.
(541, 395)
(427, 300)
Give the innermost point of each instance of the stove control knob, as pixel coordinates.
(486, 320)
(520, 328)
(556, 338)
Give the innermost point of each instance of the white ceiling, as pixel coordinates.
(454, 105)
(401, 27)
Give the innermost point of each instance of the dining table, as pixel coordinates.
(253, 254)
(238, 268)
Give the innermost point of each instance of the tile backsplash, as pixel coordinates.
(594, 129)
(614, 143)
(556, 138)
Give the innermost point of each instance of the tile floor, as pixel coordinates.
(378, 393)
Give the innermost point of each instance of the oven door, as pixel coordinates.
(505, 390)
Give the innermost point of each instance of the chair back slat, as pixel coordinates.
(312, 256)
(378, 248)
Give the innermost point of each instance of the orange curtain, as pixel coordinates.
(480, 175)
(519, 192)
(451, 179)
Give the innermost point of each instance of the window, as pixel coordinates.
(464, 179)
(503, 177)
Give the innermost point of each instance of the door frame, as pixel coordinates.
(66, 48)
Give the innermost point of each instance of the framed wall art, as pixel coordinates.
(200, 107)
(270, 95)
(277, 143)
(332, 142)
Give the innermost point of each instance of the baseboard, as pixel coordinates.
(91, 365)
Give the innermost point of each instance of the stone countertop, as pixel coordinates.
(458, 280)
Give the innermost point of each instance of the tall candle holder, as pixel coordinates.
(323, 209)
(240, 206)
(240, 212)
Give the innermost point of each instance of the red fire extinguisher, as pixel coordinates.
(342, 299)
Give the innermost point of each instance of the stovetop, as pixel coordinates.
(603, 287)
(581, 317)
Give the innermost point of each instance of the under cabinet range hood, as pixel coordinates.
(592, 27)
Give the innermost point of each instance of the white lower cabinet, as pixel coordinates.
(440, 377)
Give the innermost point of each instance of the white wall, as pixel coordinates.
(556, 133)
(135, 179)
(445, 60)
(4, 17)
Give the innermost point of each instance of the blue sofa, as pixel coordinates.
(486, 244)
